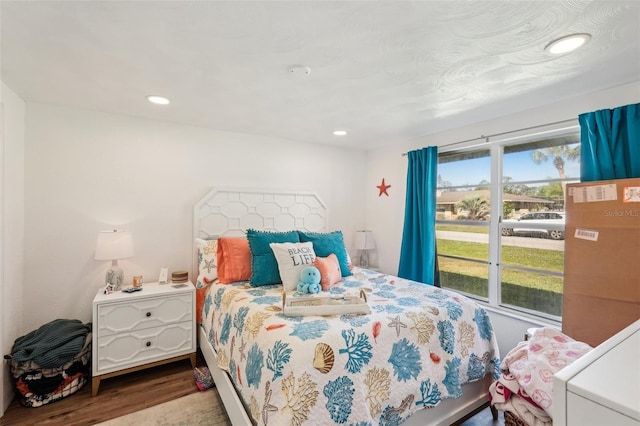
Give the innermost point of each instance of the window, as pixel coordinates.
(500, 220)
(462, 221)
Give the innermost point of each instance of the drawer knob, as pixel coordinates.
(148, 314)
(148, 344)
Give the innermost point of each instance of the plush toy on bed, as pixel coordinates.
(309, 280)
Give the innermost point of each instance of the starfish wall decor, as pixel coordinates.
(383, 188)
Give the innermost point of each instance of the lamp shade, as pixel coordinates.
(114, 245)
(364, 240)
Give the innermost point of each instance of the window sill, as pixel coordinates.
(521, 316)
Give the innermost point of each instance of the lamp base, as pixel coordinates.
(114, 278)
(364, 259)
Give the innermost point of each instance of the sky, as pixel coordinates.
(519, 166)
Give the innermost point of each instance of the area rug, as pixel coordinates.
(202, 408)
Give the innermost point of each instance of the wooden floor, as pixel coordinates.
(117, 396)
(484, 418)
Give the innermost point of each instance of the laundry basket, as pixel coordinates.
(511, 419)
(37, 385)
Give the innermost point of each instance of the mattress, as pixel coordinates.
(416, 348)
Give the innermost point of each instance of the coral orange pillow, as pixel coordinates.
(201, 293)
(329, 268)
(234, 260)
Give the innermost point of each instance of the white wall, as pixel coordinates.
(385, 215)
(88, 171)
(12, 117)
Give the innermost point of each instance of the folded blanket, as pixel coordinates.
(520, 408)
(52, 345)
(528, 369)
(506, 395)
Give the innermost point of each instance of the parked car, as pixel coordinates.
(539, 220)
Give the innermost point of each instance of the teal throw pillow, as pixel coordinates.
(264, 266)
(326, 243)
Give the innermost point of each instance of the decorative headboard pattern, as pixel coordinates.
(230, 212)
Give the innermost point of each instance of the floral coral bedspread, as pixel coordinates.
(417, 347)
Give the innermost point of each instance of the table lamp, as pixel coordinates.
(364, 242)
(114, 245)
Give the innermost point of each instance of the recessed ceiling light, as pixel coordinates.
(567, 43)
(340, 132)
(160, 100)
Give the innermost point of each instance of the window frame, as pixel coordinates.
(496, 147)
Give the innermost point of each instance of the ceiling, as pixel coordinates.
(384, 71)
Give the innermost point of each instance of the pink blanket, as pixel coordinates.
(528, 369)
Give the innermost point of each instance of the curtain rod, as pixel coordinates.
(486, 138)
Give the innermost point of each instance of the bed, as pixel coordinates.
(423, 356)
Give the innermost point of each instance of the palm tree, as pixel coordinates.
(476, 205)
(557, 154)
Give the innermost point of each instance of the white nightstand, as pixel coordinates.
(134, 331)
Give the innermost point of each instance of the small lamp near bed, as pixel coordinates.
(114, 245)
(364, 242)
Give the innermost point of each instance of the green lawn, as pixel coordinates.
(549, 260)
(463, 228)
(531, 290)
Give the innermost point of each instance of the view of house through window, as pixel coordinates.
(500, 221)
(462, 226)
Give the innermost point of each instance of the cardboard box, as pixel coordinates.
(602, 259)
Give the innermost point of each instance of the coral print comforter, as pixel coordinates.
(416, 348)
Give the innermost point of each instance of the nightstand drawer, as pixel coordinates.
(124, 350)
(117, 318)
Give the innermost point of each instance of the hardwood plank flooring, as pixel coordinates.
(117, 396)
(484, 418)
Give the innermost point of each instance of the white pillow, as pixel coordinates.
(292, 258)
(207, 262)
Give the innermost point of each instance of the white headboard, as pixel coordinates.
(229, 212)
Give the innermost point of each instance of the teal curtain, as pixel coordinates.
(610, 143)
(418, 257)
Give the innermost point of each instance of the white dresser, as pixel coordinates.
(133, 331)
(602, 387)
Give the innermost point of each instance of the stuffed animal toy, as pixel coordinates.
(309, 280)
